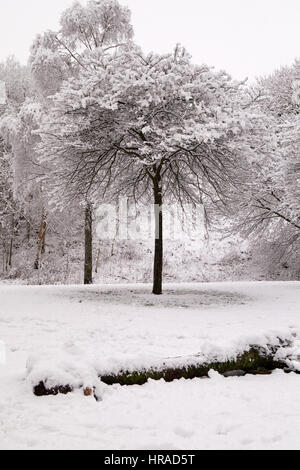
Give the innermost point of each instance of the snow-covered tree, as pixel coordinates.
(154, 127)
(18, 86)
(7, 206)
(17, 80)
(57, 55)
(268, 207)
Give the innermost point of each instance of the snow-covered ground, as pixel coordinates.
(76, 330)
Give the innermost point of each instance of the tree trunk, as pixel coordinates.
(11, 242)
(43, 249)
(255, 360)
(3, 257)
(98, 260)
(28, 232)
(7, 260)
(88, 245)
(41, 240)
(158, 253)
(10, 252)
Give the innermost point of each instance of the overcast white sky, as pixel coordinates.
(245, 37)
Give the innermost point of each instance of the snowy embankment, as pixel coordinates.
(74, 334)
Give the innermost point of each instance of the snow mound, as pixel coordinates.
(290, 355)
(68, 366)
(75, 368)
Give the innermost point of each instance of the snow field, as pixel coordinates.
(80, 331)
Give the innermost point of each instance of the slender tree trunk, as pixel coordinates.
(98, 260)
(10, 252)
(44, 238)
(88, 261)
(41, 240)
(11, 244)
(3, 257)
(28, 232)
(158, 253)
(6, 261)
